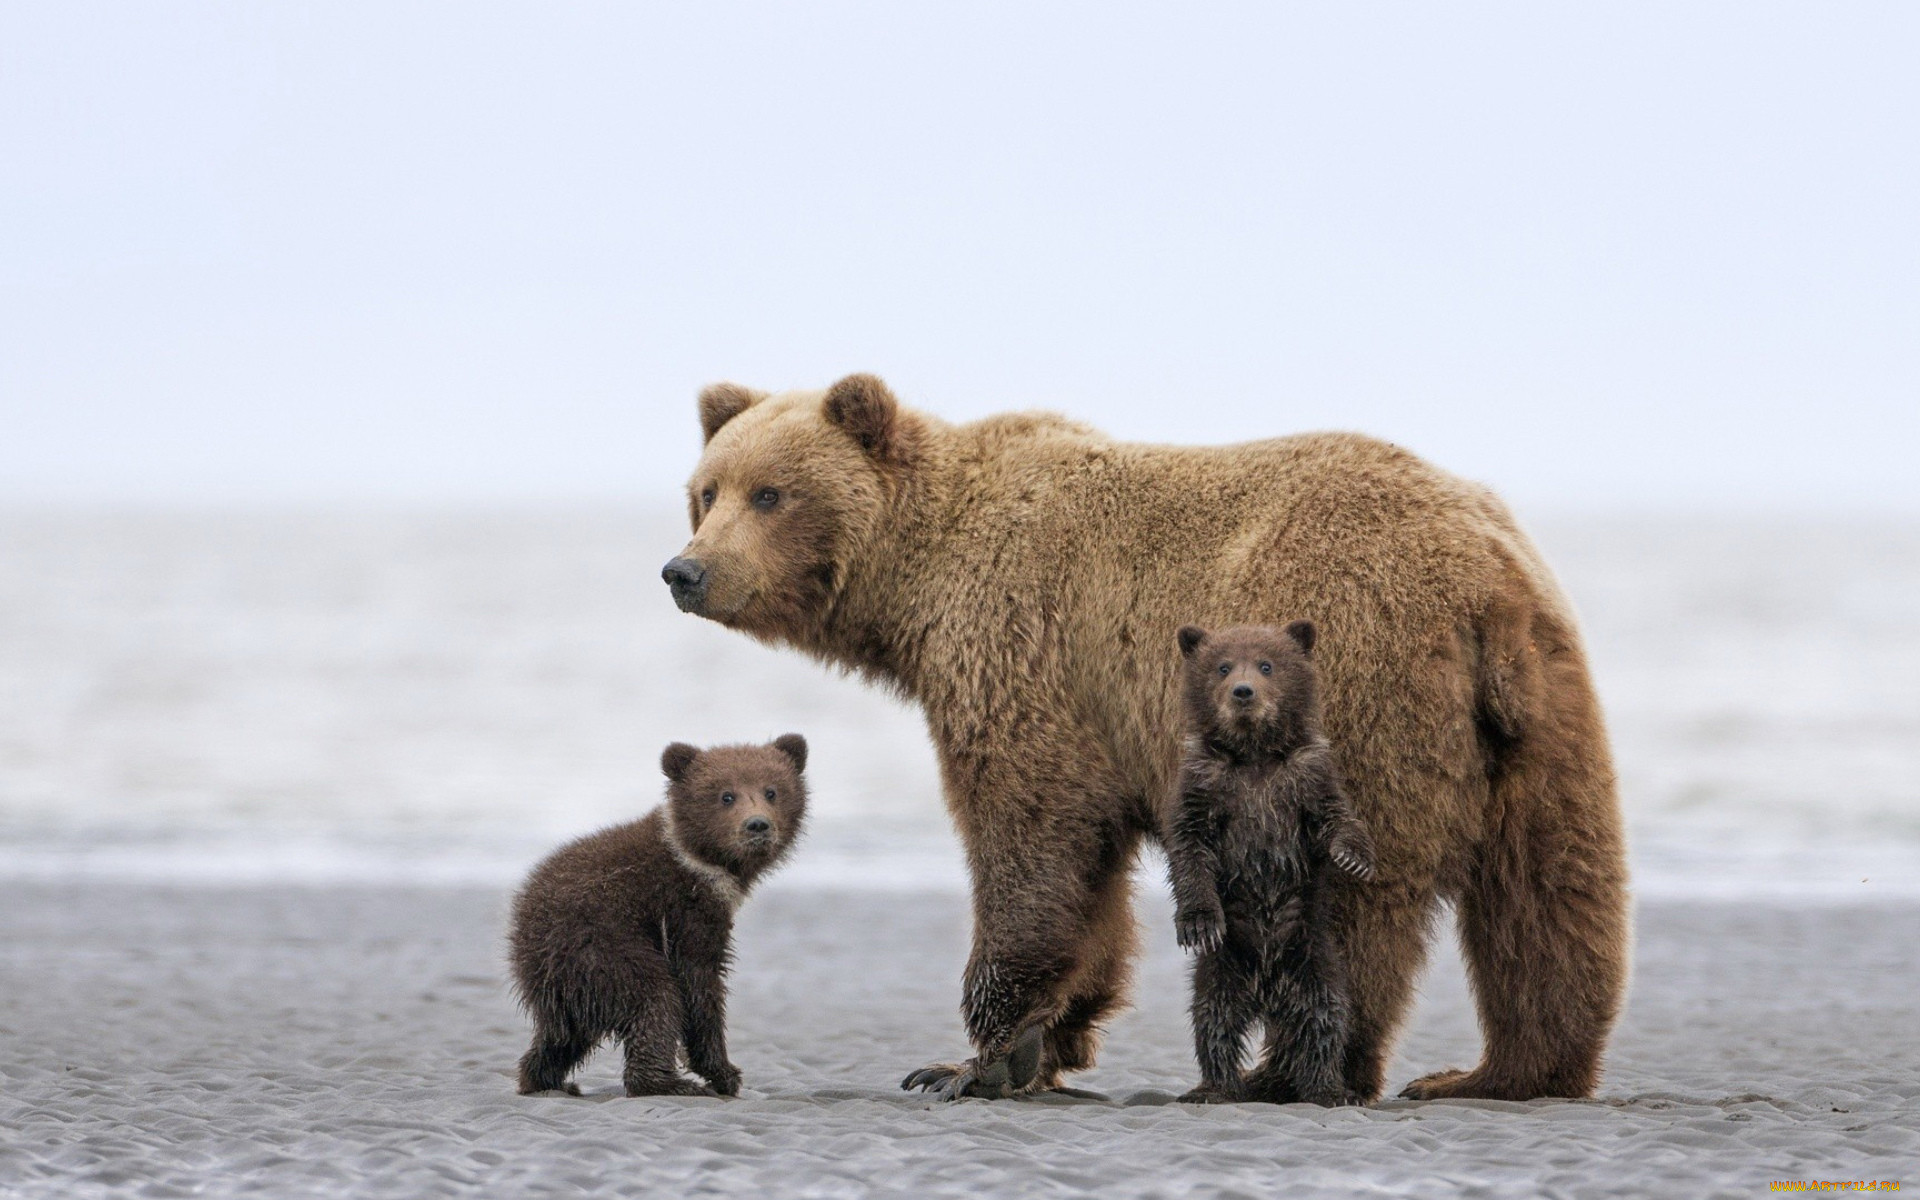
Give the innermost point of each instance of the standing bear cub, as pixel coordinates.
(1258, 822)
(628, 932)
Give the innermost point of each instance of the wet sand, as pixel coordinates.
(177, 1041)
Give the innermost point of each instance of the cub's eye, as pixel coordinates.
(766, 498)
(1225, 667)
(769, 795)
(1266, 668)
(726, 797)
(706, 498)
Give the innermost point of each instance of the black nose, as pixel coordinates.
(758, 825)
(687, 578)
(1243, 692)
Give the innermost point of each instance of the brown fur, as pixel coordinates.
(1257, 832)
(628, 932)
(1016, 576)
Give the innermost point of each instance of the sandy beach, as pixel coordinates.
(359, 1041)
(267, 780)
(361, 390)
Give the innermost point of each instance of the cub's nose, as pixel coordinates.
(1243, 692)
(687, 579)
(758, 826)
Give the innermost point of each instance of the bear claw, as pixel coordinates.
(1352, 860)
(1200, 931)
(995, 1079)
(931, 1076)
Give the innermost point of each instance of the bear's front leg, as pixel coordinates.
(705, 1035)
(1007, 1001)
(698, 959)
(985, 1077)
(1199, 922)
(1223, 1008)
(1309, 1018)
(1038, 928)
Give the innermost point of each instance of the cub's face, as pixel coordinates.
(737, 807)
(786, 490)
(1241, 680)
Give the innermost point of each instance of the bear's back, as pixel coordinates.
(1346, 496)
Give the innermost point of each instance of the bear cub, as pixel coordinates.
(1258, 823)
(628, 932)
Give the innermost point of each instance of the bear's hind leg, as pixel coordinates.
(1547, 980)
(1544, 923)
(555, 1052)
(1224, 1007)
(1307, 1024)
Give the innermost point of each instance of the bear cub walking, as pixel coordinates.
(628, 932)
(1259, 821)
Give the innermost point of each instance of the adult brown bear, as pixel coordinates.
(1021, 578)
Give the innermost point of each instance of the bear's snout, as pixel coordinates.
(687, 579)
(758, 827)
(1243, 692)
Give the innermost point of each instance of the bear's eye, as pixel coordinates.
(1266, 668)
(766, 498)
(1225, 667)
(706, 498)
(726, 797)
(769, 795)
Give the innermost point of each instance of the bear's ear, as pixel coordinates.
(864, 406)
(722, 402)
(794, 747)
(676, 760)
(1304, 633)
(1190, 638)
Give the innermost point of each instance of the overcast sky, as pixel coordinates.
(1607, 256)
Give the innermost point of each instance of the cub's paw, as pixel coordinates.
(1207, 1093)
(565, 1089)
(725, 1081)
(1200, 929)
(1352, 854)
(1337, 1097)
(667, 1087)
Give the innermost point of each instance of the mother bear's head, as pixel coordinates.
(787, 494)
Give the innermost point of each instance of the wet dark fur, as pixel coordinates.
(1259, 831)
(617, 935)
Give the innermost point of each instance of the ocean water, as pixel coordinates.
(440, 697)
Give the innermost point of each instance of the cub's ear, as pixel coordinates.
(676, 760)
(722, 402)
(1304, 633)
(794, 747)
(1190, 638)
(864, 407)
